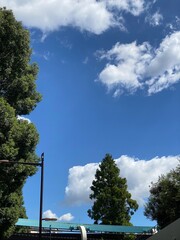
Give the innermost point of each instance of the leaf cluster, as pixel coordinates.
(11, 209)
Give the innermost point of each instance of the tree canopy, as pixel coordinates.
(112, 201)
(164, 201)
(17, 75)
(18, 138)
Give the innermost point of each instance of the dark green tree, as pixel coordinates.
(18, 138)
(163, 204)
(17, 75)
(112, 201)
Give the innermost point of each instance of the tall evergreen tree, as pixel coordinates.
(18, 138)
(164, 201)
(112, 201)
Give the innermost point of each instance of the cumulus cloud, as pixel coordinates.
(84, 14)
(132, 66)
(50, 15)
(79, 181)
(139, 175)
(128, 64)
(65, 218)
(49, 214)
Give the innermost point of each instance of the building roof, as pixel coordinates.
(89, 227)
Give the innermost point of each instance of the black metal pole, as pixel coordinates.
(50, 232)
(41, 196)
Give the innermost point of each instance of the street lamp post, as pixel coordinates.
(41, 196)
(40, 164)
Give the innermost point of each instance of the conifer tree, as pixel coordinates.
(112, 201)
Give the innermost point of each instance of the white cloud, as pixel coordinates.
(79, 181)
(49, 214)
(139, 175)
(65, 218)
(165, 66)
(134, 7)
(23, 119)
(84, 14)
(129, 64)
(155, 19)
(174, 25)
(132, 66)
(50, 15)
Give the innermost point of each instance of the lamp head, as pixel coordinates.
(4, 161)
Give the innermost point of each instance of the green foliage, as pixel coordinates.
(17, 143)
(129, 237)
(112, 201)
(18, 138)
(164, 202)
(11, 209)
(17, 75)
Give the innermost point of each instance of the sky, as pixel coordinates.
(109, 74)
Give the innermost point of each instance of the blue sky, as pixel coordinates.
(110, 79)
